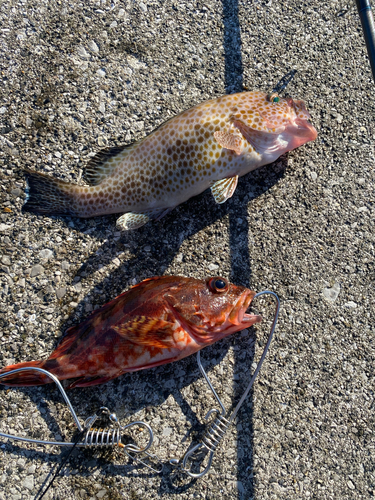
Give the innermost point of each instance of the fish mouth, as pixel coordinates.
(239, 316)
(303, 129)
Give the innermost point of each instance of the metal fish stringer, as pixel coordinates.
(96, 437)
(217, 429)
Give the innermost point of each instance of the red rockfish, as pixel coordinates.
(160, 320)
(208, 146)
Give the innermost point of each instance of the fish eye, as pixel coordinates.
(274, 97)
(218, 285)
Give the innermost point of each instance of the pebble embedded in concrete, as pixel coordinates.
(331, 293)
(77, 79)
(36, 270)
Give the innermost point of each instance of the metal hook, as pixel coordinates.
(137, 450)
(216, 431)
(93, 437)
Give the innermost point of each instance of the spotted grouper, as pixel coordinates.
(160, 320)
(207, 146)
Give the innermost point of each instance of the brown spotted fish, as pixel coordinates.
(160, 320)
(208, 146)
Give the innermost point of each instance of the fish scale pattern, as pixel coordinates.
(158, 321)
(190, 153)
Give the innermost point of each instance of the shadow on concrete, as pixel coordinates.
(239, 226)
(238, 222)
(150, 255)
(285, 80)
(152, 249)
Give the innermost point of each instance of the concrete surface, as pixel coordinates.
(77, 76)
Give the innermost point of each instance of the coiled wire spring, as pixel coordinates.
(102, 437)
(215, 432)
(96, 437)
(217, 429)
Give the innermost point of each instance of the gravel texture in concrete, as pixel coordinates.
(79, 76)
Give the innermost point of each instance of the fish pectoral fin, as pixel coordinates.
(98, 168)
(260, 140)
(224, 189)
(133, 220)
(229, 140)
(145, 331)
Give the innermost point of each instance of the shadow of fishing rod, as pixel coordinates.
(238, 220)
(233, 78)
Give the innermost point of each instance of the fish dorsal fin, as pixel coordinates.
(98, 168)
(77, 334)
(68, 340)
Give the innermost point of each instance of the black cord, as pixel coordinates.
(78, 438)
(368, 26)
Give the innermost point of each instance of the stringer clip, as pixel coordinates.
(217, 429)
(96, 437)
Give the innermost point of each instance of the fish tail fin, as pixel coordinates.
(46, 195)
(25, 378)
